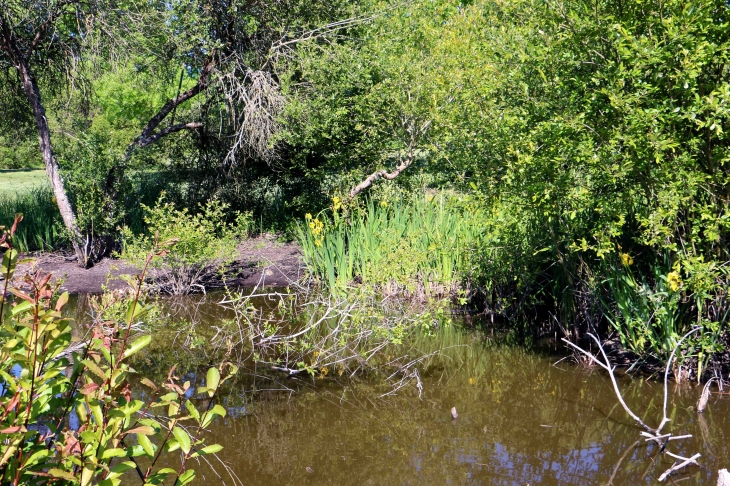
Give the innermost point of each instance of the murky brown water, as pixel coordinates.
(522, 420)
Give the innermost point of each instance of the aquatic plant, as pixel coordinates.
(651, 312)
(421, 246)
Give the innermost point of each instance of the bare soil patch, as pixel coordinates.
(262, 261)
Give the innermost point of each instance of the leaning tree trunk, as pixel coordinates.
(30, 86)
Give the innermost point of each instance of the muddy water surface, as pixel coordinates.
(523, 420)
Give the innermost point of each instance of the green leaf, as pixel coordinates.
(160, 476)
(216, 411)
(192, 410)
(109, 453)
(211, 449)
(10, 260)
(94, 368)
(172, 445)
(59, 473)
(211, 380)
(22, 306)
(134, 311)
(122, 467)
(37, 457)
(110, 482)
(183, 438)
(137, 345)
(146, 444)
(185, 477)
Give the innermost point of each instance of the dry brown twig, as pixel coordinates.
(650, 434)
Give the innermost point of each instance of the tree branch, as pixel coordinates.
(653, 435)
(167, 131)
(377, 175)
(415, 135)
(607, 366)
(146, 136)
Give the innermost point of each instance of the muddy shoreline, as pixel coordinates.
(260, 261)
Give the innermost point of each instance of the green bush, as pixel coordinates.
(204, 243)
(19, 154)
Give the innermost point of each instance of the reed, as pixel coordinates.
(420, 246)
(41, 228)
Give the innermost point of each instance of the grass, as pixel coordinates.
(21, 180)
(41, 226)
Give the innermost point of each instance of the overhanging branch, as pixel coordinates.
(381, 173)
(415, 135)
(147, 136)
(167, 131)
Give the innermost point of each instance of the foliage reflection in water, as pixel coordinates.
(522, 420)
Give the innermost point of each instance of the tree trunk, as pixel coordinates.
(30, 86)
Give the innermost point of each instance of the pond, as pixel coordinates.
(522, 420)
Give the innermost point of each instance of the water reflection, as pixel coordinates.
(522, 420)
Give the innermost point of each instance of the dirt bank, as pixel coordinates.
(261, 260)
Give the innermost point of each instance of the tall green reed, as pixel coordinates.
(423, 244)
(41, 229)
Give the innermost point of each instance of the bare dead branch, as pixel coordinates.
(254, 101)
(607, 366)
(415, 136)
(653, 435)
(666, 373)
(677, 467)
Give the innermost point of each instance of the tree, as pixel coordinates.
(226, 49)
(42, 39)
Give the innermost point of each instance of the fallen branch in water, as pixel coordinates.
(651, 434)
(705, 397)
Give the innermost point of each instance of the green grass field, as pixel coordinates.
(21, 180)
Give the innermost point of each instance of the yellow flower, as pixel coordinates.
(317, 243)
(311, 225)
(626, 259)
(336, 203)
(472, 381)
(383, 204)
(674, 281)
(308, 216)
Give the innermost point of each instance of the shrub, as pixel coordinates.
(204, 243)
(47, 378)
